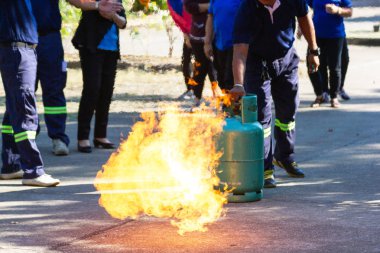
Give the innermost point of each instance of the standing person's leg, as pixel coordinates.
(200, 69)
(255, 85)
(316, 82)
(345, 62)
(52, 74)
(213, 76)
(186, 70)
(186, 64)
(286, 101)
(91, 64)
(228, 75)
(104, 100)
(10, 155)
(334, 60)
(18, 68)
(322, 43)
(223, 65)
(219, 60)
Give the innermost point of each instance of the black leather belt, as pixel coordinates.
(18, 44)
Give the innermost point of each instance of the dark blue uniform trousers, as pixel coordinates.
(282, 89)
(18, 68)
(52, 74)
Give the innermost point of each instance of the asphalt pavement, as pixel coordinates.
(335, 208)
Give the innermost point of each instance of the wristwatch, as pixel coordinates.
(97, 5)
(316, 52)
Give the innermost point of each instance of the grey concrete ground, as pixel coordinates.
(336, 208)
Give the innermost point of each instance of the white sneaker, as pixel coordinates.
(186, 95)
(14, 175)
(59, 147)
(44, 181)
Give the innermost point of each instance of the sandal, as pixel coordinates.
(317, 102)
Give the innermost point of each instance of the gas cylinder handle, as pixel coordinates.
(249, 108)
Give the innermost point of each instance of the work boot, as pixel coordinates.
(344, 95)
(269, 181)
(14, 175)
(43, 181)
(290, 167)
(59, 148)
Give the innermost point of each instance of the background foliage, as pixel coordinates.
(134, 8)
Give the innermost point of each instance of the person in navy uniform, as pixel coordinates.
(265, 63)
(218, 42)
(18, 66)
(51, 72)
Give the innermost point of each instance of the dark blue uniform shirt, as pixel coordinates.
(17, 23)
(253, 25)
(47, 15)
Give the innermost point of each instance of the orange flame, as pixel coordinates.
(166, 168)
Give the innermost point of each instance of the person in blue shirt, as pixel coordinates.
(97, 39)
(51, 72)
(265, 63)
(203, 66)
(218, 41)
(18, 66)
(330, 32)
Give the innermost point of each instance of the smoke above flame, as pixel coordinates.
(166, 169)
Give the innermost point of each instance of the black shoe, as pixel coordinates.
(344, 95)
(105, 145)
(290, 167)
(269, 181)
(84, 149)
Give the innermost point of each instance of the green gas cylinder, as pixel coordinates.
(242, 163)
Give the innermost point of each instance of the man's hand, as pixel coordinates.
(110, 6)
(313, 63)
(107, 15)
(237, 92)
(332, 9)
(187, 40)
(208, 51)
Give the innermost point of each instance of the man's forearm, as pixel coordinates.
(209, 30)
(102, 5)
(345, 12)
(307, 28)
(203, 7)
(239, 61)
(120, 21)
(86, 5)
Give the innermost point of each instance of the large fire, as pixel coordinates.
(166, 168)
